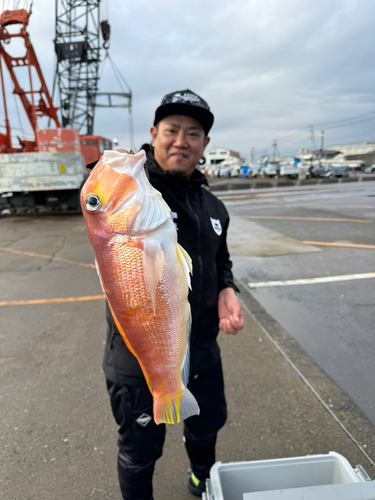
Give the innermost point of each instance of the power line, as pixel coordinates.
(355, 138)
(345, 119)
(295, 137)
(351, 123)
(345, 122)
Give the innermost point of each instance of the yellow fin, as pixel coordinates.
(173, 411)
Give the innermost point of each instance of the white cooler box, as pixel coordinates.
(314, 477)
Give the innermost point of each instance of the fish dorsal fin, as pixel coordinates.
(154, 211)
(153, 265)
(186, 263)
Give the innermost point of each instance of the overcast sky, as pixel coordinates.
(269, 69)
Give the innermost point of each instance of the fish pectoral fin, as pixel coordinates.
(100, 278)
(185, 366)
(173, 411)
(186, 263)
(153, 266)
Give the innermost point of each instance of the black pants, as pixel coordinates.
(141, 441)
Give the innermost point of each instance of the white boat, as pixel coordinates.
(227, 168)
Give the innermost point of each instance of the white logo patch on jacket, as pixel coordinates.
(216, 226)
(143, 419)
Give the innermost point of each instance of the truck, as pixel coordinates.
(48, 170)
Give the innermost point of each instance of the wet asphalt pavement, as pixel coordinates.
(58, 436)
(334, 321)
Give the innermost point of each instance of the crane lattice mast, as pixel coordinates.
(77, 47)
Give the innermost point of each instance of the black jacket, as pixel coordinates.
(202, 223)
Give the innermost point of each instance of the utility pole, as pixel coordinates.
(321, 135)
(312, 139)
(275, 152)
(252, 156)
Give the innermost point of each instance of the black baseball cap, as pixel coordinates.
(187, 103)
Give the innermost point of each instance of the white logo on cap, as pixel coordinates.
(185, 97)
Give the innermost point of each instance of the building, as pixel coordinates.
(218, 155)
(364, 151)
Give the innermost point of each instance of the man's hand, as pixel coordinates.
(231, 317)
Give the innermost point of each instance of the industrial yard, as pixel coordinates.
(300, 194)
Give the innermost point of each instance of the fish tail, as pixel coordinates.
(172, 411)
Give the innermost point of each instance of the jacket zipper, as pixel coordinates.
(199, 263)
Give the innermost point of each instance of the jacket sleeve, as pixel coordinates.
(224, 264)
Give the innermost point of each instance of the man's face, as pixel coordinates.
(179, 142)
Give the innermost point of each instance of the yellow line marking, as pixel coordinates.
(49, 257)
(348, 245)
(323, 219)
(51, 301)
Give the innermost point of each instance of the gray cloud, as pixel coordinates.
(268, 68)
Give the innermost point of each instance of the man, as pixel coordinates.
(179, 137)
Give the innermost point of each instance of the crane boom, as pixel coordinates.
(36, 100)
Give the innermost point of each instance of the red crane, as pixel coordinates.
(51, 167)
(36, 99)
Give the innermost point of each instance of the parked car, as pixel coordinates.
(318, 171)
(290, 171)
(312, 170)
(370, 170)
(337, 171)
(354, 165)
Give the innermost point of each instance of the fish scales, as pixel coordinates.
(146, 325)
(144, 274)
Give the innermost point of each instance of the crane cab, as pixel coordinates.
(93, 146)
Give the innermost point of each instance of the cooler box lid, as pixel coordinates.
(348, 491)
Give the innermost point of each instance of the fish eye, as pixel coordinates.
(92, 202)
